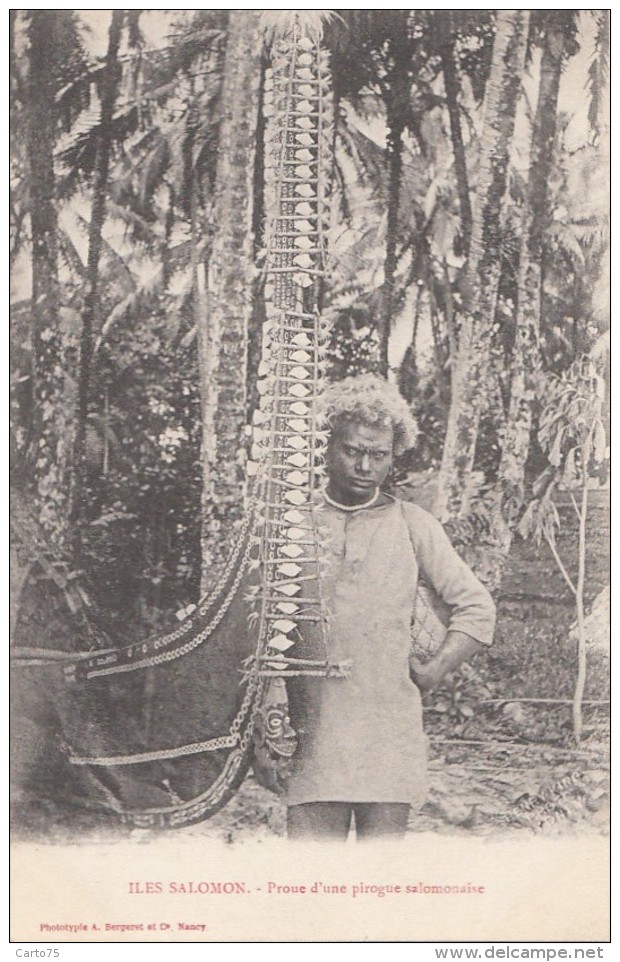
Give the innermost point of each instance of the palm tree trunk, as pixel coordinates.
(396, 128)
(168, 228)
(49, 413)
(451, 85)
(108, 94)
(259, 315)
(224, 336)
(525, 359)
(582, 652)
(483, 266)
(515, 428)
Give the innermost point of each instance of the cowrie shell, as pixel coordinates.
(289, 590)
(306, 139)
(295, 534)
(304, 227)
(296, 497)
(293, 516)
(296, 424)
(305, 190)
(291, 550)
(281, 643)
(297, 443)
(304, 155)
(297, 390)
(301, 373)
(296, 477)
(298, 460)
(303, 171)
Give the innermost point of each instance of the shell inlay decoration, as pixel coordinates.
(274, 563)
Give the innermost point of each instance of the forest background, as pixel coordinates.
(469, 262)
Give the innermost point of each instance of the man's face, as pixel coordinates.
(359, 458)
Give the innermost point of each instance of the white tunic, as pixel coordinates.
(361, 738)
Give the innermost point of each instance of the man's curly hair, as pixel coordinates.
(369, 399)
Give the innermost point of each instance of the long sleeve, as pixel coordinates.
(471, 606)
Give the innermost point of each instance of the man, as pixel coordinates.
(362, 749)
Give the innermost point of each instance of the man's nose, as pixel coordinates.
(364, 462)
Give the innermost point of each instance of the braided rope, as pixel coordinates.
(121, 660)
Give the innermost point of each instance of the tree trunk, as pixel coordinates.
(408, 371)
(396, 127)
(259, 316)
(168, 228)
(525, 358)
(582, 652)
(482, 272)
(107, 93)
(515, 427)
(451, 85)
(223, 335)
(49, 414)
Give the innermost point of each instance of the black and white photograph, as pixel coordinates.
(310, 500)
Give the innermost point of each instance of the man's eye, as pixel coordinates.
(352, 452)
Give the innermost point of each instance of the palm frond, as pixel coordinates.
(135, 303)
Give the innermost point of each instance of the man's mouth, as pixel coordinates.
(361, 482)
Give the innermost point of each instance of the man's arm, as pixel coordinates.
(457, 648)
(472, 609)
